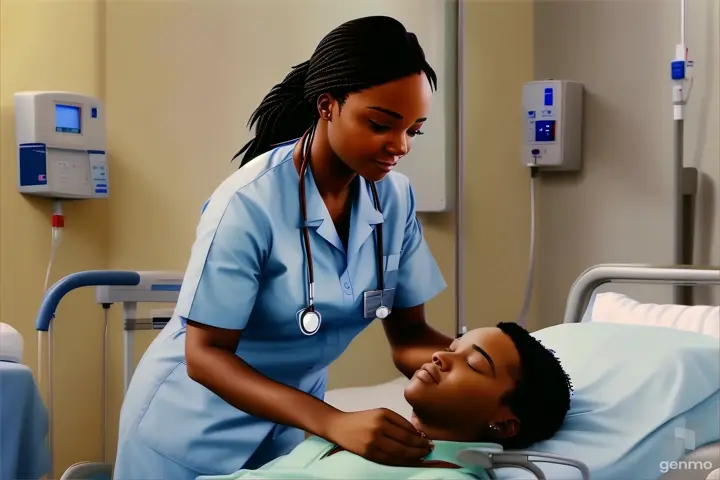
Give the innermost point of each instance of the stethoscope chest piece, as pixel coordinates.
(309, 321)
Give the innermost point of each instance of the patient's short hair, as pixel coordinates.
(541, 397)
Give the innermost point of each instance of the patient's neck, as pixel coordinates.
(436, 432)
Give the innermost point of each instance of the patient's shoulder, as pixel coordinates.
(302, 457)
(318, 441)
(312, 448)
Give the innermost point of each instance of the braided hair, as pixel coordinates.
(357, 55)
(542, 394)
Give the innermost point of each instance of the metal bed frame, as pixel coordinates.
(578, 300)
(681, 275)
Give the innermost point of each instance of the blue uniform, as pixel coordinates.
(247, 270)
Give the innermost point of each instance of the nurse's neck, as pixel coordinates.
(332, 177)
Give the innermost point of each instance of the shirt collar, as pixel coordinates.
(364, 214)
(363, 204)
(448, 452)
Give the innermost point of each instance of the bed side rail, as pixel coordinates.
(595, 276)
(492, 459)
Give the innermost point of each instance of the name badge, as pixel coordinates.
(375, 300)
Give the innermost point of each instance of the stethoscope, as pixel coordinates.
(309, 318)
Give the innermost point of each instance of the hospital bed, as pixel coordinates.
(560, 458)
(629, 460)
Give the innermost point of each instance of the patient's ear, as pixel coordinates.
(505, 428)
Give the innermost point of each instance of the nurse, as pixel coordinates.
(312, 239)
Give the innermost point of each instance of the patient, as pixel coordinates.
(496, 385)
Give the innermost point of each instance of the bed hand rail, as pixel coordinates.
(597, 275)
(521, 459)
(89, 278)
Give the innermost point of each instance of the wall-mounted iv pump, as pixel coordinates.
(552, 116)
(61, 145)
(552, 141)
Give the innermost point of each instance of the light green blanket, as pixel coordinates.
(308, 461)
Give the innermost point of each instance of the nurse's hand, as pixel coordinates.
(379, 435)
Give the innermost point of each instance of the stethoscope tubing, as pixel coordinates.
(306, 148)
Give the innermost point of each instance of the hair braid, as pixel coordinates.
(357, 55)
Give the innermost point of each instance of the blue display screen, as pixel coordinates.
(67, 118)
(545, 131)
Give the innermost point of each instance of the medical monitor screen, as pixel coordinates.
(545, 131)
(67, 118)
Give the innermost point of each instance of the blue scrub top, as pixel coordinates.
(247, 270)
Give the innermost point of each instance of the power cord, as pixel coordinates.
(523, 317)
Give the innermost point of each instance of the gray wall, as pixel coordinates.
(619, 208)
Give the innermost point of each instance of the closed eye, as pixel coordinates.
(467, 362)
(471, 367)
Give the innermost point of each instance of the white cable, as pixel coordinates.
(103, 423)
(531, 267)
(50, 263)
(55, 243)
(56, 240)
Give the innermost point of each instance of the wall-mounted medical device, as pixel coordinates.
(552, 116)
(61, 143)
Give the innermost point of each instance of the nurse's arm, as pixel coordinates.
(234, 238)
(412, 340)
(211, 361)
(419, 279)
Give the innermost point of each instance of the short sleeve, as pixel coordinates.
(223, 275)
(419, 277)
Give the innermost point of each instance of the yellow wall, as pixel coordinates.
(170, 75)
(38, 51)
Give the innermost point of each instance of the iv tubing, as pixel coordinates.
(58, 223)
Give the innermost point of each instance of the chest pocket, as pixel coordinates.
(392, 264)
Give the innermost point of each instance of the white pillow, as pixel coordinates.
(385, 395)
(636, 387)
(618, 308)
(11, 344)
